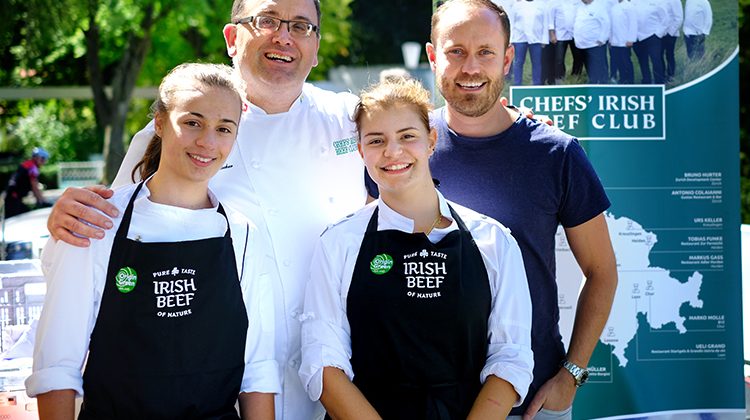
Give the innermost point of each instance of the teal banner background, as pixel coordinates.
(673, 343)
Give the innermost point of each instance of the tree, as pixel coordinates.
(114, 37)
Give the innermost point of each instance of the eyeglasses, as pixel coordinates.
(298, 28)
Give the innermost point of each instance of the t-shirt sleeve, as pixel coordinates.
(584, 197)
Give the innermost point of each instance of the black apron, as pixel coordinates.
(418, 313)
(169, 340)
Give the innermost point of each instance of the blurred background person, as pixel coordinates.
(674, 21)
(562, 16)
(624, 34)
(529, 32)
(23, 181)
(548, 50)
(698, 21)
(652, 17)
(591, 33)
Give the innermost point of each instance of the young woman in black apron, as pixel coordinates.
(417, 308)
(174, 300)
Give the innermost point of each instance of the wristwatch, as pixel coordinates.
(580, 374)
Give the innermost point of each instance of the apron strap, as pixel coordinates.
(459, 221)
(122, 231)
(221, 211)
(372, 226)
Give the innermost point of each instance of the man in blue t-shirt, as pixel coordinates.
(530, 177)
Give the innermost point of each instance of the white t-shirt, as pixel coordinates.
(326, 335)
(76, 277)
(698, 17)
(291, 173)
(624, 24)
(592, 25)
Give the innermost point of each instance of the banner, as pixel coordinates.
(668, 158)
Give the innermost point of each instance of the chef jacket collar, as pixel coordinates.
(146, 193)
(255, 109)
(390, 219)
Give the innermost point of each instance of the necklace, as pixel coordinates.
(440, 217)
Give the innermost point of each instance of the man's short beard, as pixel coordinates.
(473, 106)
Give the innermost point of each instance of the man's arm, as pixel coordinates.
(73, 218)
(256, 406)
(342, 399)
(494, 400)
(34, 181)
(57, 405)
(592, 249)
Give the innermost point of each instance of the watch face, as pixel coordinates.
(584, 377)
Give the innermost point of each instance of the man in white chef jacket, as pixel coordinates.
(698, 21)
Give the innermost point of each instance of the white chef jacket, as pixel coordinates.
(530, 23)
(624, 24)
(562, 16)
(292, 173)
(76, 278)
(652, 18)
(698, 17)
(674, 16)
(326, 335)
(592, 25)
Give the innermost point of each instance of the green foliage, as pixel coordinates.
(43, 42)
(335, 36)
(66, 131)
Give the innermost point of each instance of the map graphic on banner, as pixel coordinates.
(672, 347)
(644, 290)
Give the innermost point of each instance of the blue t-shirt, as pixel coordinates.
(531, 178)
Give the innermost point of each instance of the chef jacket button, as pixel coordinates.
(323, 150)
(331, 200)
(255, 164)
(294, 314)
(287, 263)
(294, 363)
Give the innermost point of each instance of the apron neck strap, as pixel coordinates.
(122, 231)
